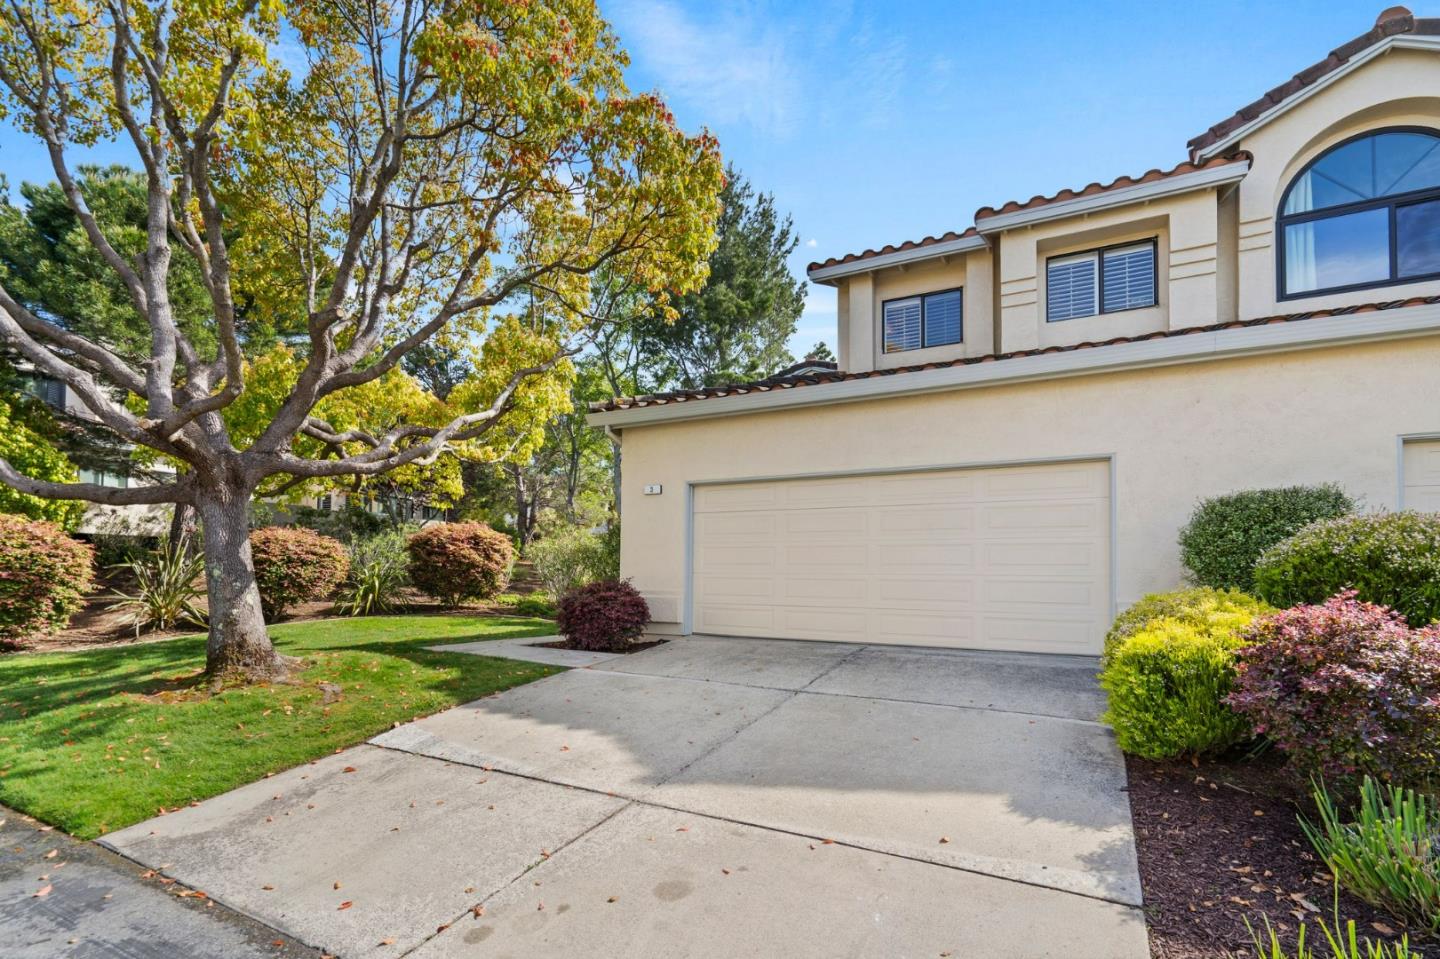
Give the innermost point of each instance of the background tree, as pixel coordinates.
(432, 166)
(820, 352)
(735, 327)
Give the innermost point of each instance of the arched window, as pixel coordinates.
(1364, 213)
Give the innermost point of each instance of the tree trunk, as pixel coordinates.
(239, 646)
(182, 528)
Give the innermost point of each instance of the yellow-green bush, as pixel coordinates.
(1212, 610)
(1167, 684)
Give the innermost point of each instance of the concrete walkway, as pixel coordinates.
(706, 798)
(63, 897)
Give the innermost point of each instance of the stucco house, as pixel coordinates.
(1025, 411)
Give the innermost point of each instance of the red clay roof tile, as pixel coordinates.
(1091, 189)
(893, 248)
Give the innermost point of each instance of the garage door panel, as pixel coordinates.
(932, 521)
(1042, 592)
(1042, 516)
(1014, 558)
(1040, 556)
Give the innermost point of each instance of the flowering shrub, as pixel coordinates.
(1345, 688)
(605, 616)
(458, 561)
(1213, 611)
(1226, 534)
(1167, 684)
(44, 576)
(295, 565)
(1387, 558)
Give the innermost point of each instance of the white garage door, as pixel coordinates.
(1421, 479)
(1008, 558)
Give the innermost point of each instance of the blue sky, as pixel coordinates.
(876, 123)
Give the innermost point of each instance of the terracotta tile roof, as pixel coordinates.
(894, 248)
(1149, 176)
(1392, 21)
(785, 380)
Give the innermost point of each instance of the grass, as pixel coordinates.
(95, 741)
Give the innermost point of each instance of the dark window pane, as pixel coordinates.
(1337, 251)
(1375, 166)
(942, 318)
(1417, 238)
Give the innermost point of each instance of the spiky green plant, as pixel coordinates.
(168, 584)
(378, 571)
(1389, 855)
(1341, 943)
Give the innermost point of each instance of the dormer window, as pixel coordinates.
(1364, 213)
(920, 322)
(1108, 280)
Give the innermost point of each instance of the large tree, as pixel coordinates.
(425, 169)
(736, 326)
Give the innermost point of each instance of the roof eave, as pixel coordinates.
(1109, 199)
(1402, 41)
(933, 251)
(1313, 333)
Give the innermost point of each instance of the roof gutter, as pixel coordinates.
(1140, 192)
(1398, 323)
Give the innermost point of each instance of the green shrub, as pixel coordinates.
(44, 576)
(295, 565)
(379, 570)
(507, 600)
(536, 604)
(1226, 534)
(458, 561)
(570, 557)
(168, 586)
(1392, 559)
(1167, 685)
(1215, 610)
(1389, 856)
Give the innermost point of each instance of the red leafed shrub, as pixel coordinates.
(44, 576)
(458, 561)
(1345, 688)
(605, 617)
(295, 565)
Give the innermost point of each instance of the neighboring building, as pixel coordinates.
(1026, 411)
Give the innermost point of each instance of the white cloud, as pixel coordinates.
(768, 65)
(812, 243)
(735, 65)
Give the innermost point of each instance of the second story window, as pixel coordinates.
(919, 322)
(1365, 213)
(1107, 280)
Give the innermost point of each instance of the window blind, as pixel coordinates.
(902, 325)
(1071, 288)
(942, 318)
(1129, 277)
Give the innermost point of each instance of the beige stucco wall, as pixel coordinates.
(1176, 434)
(1400, 88)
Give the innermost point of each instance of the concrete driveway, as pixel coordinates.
(706, 798)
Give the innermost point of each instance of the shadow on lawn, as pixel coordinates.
(171, 671)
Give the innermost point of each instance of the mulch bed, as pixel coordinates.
(632, 648)
(1219, 843)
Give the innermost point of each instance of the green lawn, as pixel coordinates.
(95, 741)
